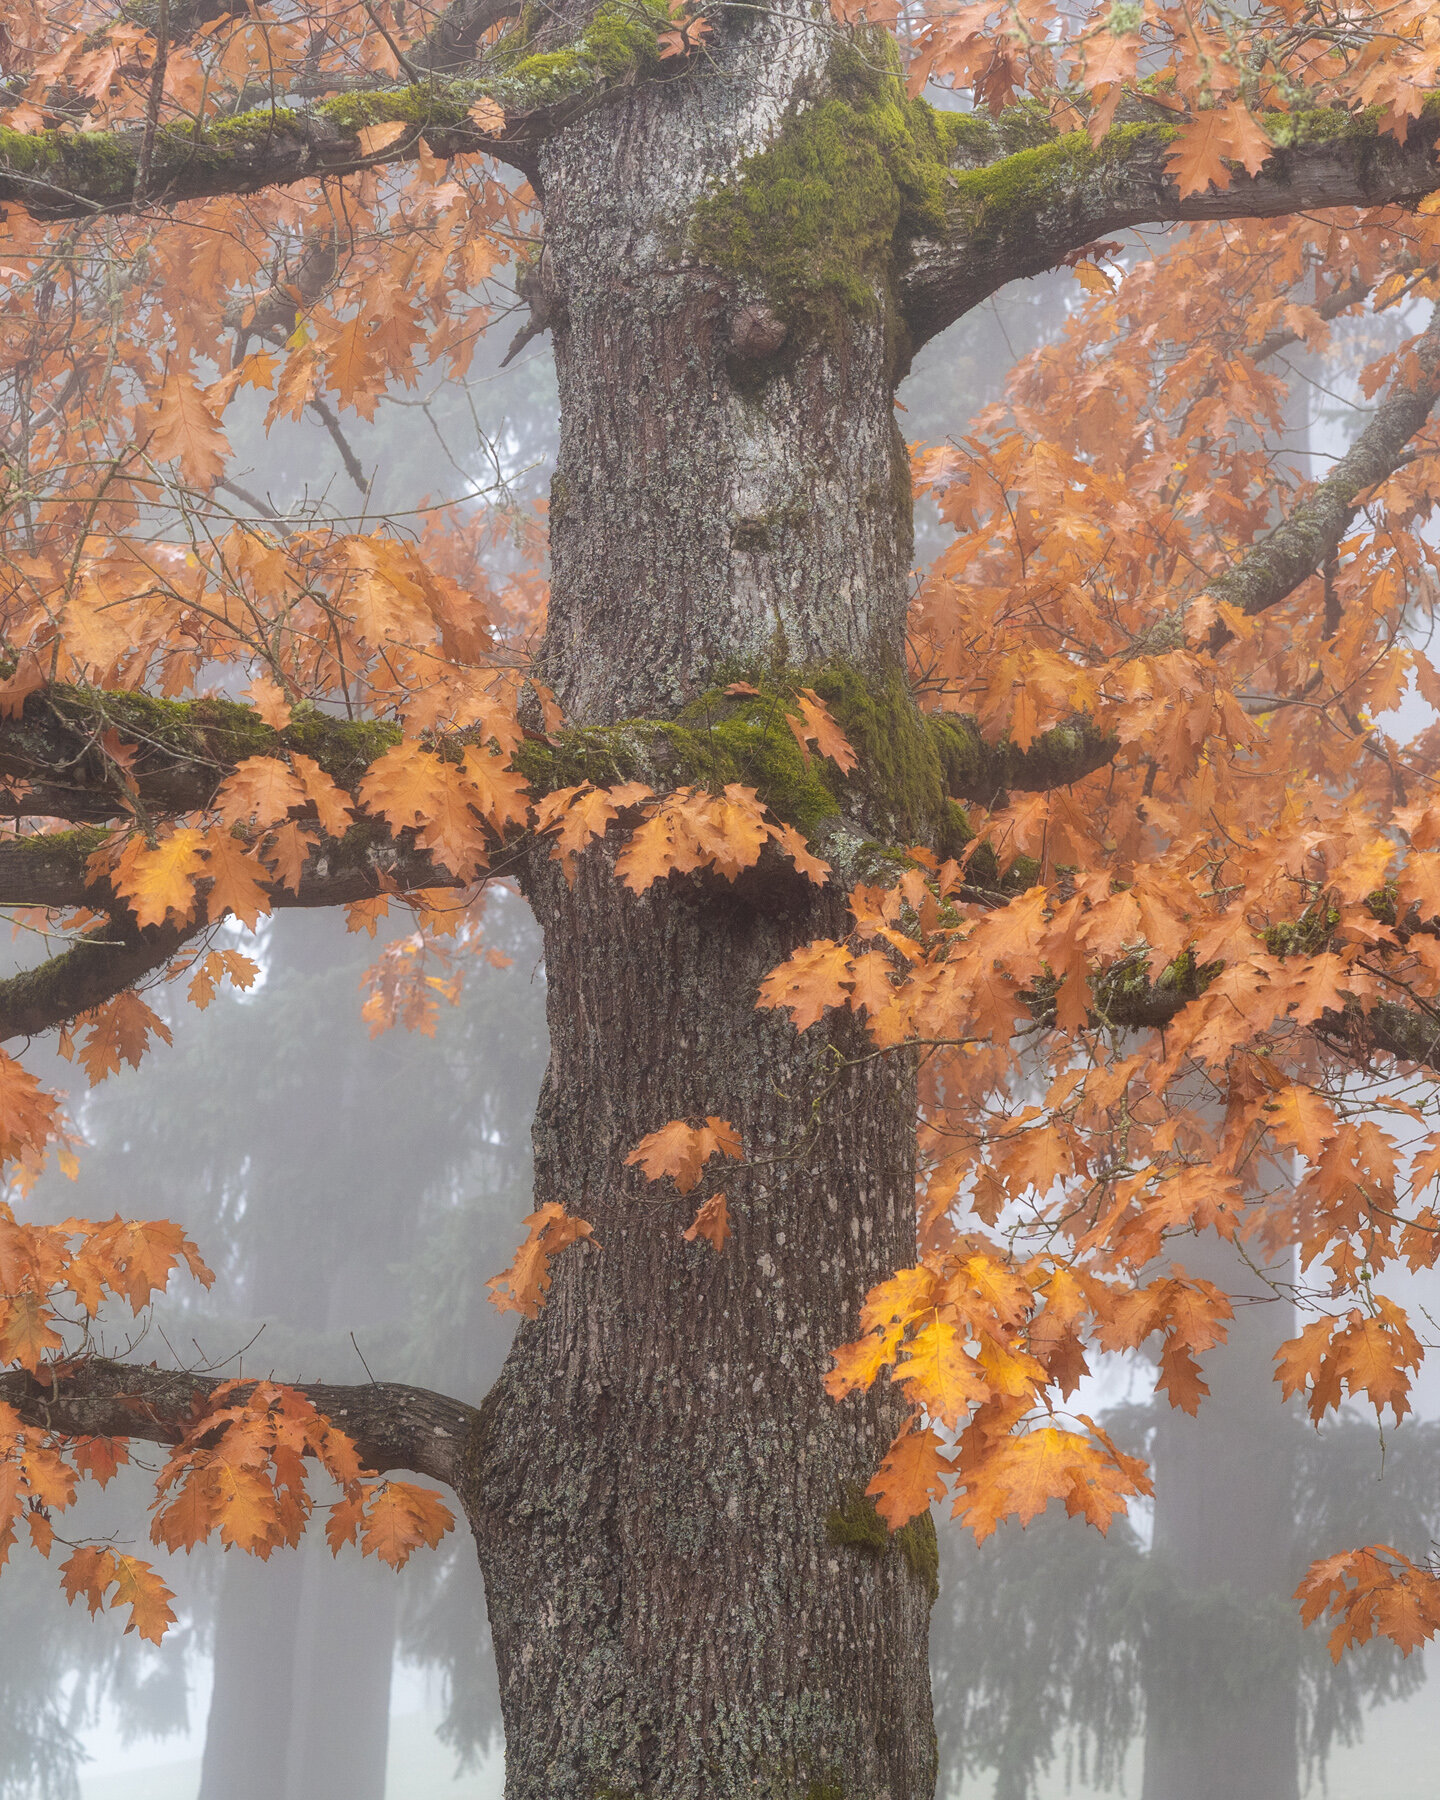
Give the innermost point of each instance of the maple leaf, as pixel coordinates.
(117, 1032)
(711, 1222)
(817, 726)
(912, 1474)
(808, 982)
(375, 138)
(141, 1589)
(267, 696)
(939, 1374)
(90, 1571)
(187, 430)
(399, 1519)
(259, 791)
(1302, 1118)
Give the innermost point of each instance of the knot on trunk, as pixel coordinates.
(756, 332)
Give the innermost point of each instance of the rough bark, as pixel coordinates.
(660, 1469)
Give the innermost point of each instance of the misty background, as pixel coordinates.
(353, 1195)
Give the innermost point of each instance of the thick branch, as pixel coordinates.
(184, 749)
(394, 1427)
(977, 770)
(49, 869)
(1295, 550)
(77, 174)
(109, 958)
(1125, 996)
(1017, 215)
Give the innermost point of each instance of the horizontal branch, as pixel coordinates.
(49, 869)
(393, 1426)
(107, 959)
(183, 750)
(1126, 997)
(57, 174)
(977, 770)
(1013, 216)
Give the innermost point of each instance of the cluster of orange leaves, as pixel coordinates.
(237, 1466)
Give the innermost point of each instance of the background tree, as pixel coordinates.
(749, 229)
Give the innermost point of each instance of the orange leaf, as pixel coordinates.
(912, 1474)
(681, 1151)
(711, 1222)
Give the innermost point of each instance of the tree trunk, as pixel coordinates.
(675, 1608)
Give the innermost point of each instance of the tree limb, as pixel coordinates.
(1014, 216)
(1298, 548)
(78, 174)
(184, 749)
(393, 1426)
(107, 959)
(49, 869)
(1302, 544)
(977, 770)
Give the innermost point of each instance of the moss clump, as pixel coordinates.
(898, 787)
(223, 732)
(1012, 194)
(1309, 934)
(619, 41)
(855, 1525)
(820, 220)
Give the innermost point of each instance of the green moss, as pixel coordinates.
(1012, 194)
(898, 787)
(1309, 934)
(821, 218)
(619, 42)
(855, 1525)
(225, 732)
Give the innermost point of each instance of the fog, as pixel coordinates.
(353, 1195)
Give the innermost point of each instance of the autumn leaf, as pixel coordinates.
(375, 138)
(911, 1475)
(187, 431)
(488, 114)
(259, 791)
(401, 1518)
(159, 880)
(523, 1286)
(141, 1589)
(681, 1151)
(711, 1222)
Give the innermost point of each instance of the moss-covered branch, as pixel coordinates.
(394, 1427)
(109, 958)
(1014, 212)
(1301, 545)
(49, 869)
(1127, 995)
(183, 749)
(60, 174)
